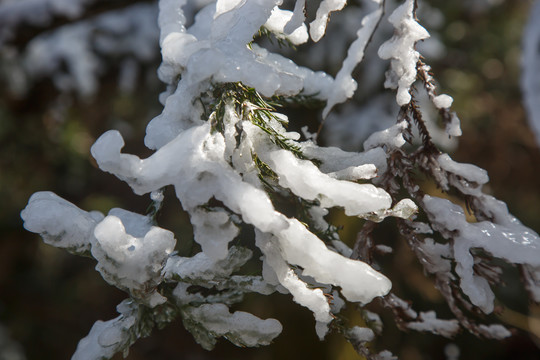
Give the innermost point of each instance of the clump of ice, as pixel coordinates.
(496, 331)
(428, 322)
(201, 267)
(361, 334)
(391, 138)
(317, 28)
(334, 160)
(106, 338)
(131, 254)
(213, 230)
(453, 128)
(468, 171)
(313, 299)
(280, 19)
(401, 51)
(305, 180)
(442, 101)
(501, 238)
(297, 19)
(241, 328)
(60, 223)
(467, 178)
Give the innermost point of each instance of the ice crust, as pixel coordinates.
(453, 128)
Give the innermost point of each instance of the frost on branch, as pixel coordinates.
(222, 145)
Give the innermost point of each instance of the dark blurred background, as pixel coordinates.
(49, 299)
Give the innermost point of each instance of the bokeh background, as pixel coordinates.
(49, 299)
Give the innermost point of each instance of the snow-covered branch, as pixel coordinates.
(221, 143)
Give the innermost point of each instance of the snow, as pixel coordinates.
(215, 49)
(471, 173)
(385, 355)
(36, 13)
(505, 238)
(297, 19)
(344, 85)
(200, 172)
(358, 281)
(454, 127)
(106, 338)
(361, 334)
(202, 267)
(400, 50)
(496, 331)
(242, 328)
(391, 137)
(59, 222)
(213, 230)
(305, 180)
(280, 19)
(429, 322)
(317, 27)
(334, 160)
(353, 173)
(207, 166)
(442, 101)
(313, 299)
(131, 253)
